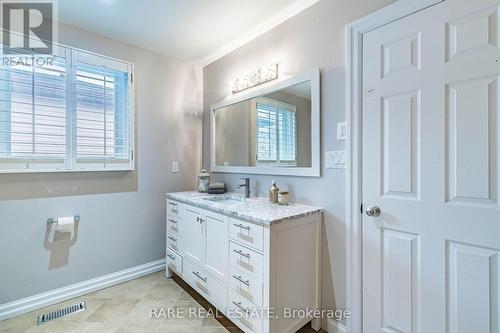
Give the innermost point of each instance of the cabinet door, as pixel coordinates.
(194, 245)
(217, 237)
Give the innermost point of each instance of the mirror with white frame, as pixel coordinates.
(272, 130)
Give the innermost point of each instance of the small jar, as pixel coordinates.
(203, 181)
(283, 198)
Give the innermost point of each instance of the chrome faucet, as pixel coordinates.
(246, 186)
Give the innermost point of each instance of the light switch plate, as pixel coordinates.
(341, 130)
(336, 159)
(175, 167)
(342, 161)
(330, 159)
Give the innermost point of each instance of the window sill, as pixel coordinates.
(28, 171)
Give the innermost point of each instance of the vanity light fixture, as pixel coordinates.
(254, 78)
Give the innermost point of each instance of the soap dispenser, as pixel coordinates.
(273, 193)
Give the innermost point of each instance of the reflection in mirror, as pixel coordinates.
(272, 130)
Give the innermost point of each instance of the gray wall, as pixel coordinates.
(314, 38)
(122, 213)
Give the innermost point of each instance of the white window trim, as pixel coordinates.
(71, 164)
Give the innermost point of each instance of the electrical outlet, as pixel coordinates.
(341, 130)
(175, 167)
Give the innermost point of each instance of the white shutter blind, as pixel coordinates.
(33, 114)
(267, 134)
(102, 119)
(276, 132)
(287, 135)
(72, 114)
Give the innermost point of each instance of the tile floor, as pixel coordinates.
(126, 308)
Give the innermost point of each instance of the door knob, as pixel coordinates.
(373, 211)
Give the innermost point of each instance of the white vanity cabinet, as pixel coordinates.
(216, 261)
(175, 228)
(247, 268)
(194, 249)
(207, 245)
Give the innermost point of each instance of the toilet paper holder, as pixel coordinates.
(54, 219)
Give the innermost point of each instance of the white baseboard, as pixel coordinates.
(336, 327)
(35, 302)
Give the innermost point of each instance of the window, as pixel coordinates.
(33, 111)
(276, 133)
(75, 114)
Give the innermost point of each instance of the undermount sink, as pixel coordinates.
(226, 198)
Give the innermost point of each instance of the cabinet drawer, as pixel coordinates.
(246, 286)
(247, 233)
(174, 208)
(174, 225)
(241, 310)
(174, 261)
(174, 242)
(205, 284)
(246, 260)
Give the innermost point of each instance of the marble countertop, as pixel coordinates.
(256, 209)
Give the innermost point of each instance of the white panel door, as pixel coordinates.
(431, 144)
(217, 233)
(195, 240)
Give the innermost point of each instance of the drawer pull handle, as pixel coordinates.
(172, 238)
(171, 220)
(173, 203)
(241, 226)
(247, 282)
(199, 276)
(238, 304)
(171, 256)
(246, 255)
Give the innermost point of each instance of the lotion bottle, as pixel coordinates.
(273, 193)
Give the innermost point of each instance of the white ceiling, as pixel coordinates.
(195, 30)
